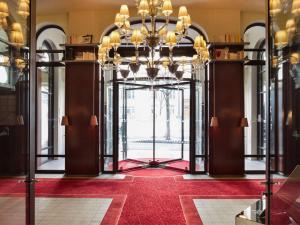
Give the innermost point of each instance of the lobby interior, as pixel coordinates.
(149, 112)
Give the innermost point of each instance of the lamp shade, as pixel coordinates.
(179, 26)
(167, 8)
(16, 27)
(296, 7)
(136, 38)
(275, 7)
(3, 23)
(3, 9)
(182, 12)
(115, 39)
(124, 11)
(291, 27)
(294, 58)
(214, 122)
(119, 20)
(16, 38)
(244, 122)
(281, 38)
(143, 8)
(106, 43)
(187, 22)
(23, 8)
(171, 39)
(65, 121)
(94, 120)
(199, 43)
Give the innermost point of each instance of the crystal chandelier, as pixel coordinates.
(151, 35)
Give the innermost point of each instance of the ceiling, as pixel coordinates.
(61, 6)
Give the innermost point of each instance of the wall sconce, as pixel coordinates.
(281, 38)
(214, 122)
(3, 10)
(296, 7)
(244, 122)
(289, 119)
(275, 7)
(23, 8)
(20, 120)
(94, 121)
(65, 121)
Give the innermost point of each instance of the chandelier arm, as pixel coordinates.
(162, 27)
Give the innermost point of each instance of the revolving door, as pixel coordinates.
(157, 123)
(152, 128)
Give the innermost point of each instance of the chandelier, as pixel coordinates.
(152, 35)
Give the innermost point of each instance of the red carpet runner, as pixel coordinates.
(151, 200)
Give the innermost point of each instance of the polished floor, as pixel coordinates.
(55, 211)
(221, 211)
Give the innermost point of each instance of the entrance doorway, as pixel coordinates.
(154, 125)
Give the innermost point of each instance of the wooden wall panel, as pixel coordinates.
(82, 140)
(226, 156)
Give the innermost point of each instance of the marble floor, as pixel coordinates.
(221, 211)
(55, 211)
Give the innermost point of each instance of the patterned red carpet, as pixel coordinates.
(161, 197)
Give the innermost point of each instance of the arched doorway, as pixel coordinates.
(50, 99)
(154, 122)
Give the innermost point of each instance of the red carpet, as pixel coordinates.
(144, 200)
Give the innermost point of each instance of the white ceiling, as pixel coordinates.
(60, 6)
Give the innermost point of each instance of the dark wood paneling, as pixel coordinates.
(226, 141)
(82, 140)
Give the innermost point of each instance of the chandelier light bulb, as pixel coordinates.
(124, 11)
(3, 10)
(167, 8)
(296, 7)
(143, 9)
(182, 12)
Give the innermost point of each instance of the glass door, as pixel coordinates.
(17, 128)
(153, 126)
(136, 144)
